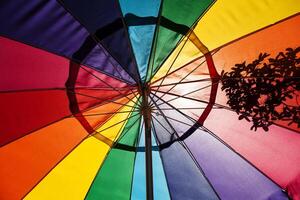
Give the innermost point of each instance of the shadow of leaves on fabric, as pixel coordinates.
(265, 90)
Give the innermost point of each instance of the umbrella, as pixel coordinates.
(161, 99)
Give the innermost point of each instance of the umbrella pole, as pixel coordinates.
(146, 112)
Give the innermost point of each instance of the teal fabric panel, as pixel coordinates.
(140, 17)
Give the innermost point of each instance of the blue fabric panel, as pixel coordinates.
(103, 19)
(161, 191)
(184, 178)
(47, 25)
(160, 188)
(139, 176)
(137, 14)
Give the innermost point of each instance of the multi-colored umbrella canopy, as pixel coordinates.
(143, 99)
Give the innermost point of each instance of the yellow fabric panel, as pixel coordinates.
(228, 20)
(72, 177)
(187, 51)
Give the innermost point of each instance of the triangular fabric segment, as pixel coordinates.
(140, 17)
(103, 19)
(47, 25)
(176, 19)
(114, 178)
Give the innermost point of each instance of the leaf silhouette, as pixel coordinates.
(261, 91)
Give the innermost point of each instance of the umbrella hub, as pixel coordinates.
(145, 107)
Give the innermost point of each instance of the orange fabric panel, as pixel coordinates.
(272, 40)
(26, 161)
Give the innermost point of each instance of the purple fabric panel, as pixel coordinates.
(104, 63)
(45, 24)
(231, 176)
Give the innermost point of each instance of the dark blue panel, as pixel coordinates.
(104, 19)
(47, 25)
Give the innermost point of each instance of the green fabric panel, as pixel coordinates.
(113, 181)
(176, 19)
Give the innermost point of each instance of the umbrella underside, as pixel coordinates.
(152, 99)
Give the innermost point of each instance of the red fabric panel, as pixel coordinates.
(25, 67)
(23, 112)
(88, 77)
(293, 188)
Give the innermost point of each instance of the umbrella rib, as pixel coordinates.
(61, 88)
(162, 125)
(107, 100)
(187, 150)
(185, 77)
(109, 84)
(186, 65)
(193, 99)
(184, 96)
(171, 118)
(107, 113)
(209, 79)
(133, 109)
(185, 82)
(119, 122)
(185, 108)
(177, 55)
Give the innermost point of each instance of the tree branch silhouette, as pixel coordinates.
(265, 90)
